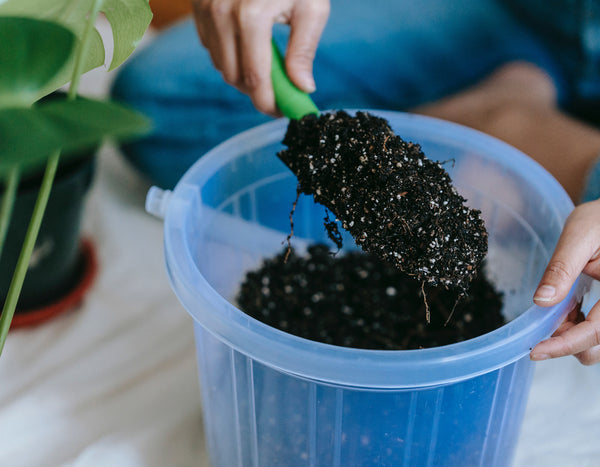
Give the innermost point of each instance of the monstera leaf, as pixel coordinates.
(29, 135)
(27, 64)
(129, 19)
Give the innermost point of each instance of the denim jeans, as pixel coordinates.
(381, 54)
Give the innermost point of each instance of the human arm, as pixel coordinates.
(237, 34)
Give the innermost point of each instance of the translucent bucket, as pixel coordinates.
(273, 399)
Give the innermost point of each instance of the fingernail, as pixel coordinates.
(595, 256)
(308, 83)
(544, 293)
(539, 357)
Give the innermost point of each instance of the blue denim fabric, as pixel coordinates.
(592, 188)
(381, 54)
(571, 29)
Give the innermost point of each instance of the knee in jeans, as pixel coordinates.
(511, 116)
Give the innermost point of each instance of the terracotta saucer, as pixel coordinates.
(35, 316)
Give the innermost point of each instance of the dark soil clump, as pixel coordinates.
(396, 203)
(357, 300)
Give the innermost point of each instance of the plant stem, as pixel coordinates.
(16, 284)
(35, 223)
(83, 48)
(8, 202)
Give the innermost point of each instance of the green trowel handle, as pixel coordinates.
(292, 102)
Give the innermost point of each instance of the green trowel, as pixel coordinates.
(292, 102)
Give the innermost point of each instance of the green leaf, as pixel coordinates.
(27, 63)
(71, 14)
(29, 136)
(129, 20)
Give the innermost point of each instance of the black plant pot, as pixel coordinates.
(58, 262)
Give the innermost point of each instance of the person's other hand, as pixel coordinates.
(578, 250)
(237, 34)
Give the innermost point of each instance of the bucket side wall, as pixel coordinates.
(258, 416)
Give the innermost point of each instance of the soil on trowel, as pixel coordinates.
(357, 300)
(395, 202)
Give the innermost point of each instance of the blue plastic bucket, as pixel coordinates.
(273, 399)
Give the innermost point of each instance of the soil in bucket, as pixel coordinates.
(395, 202)
(357, 300)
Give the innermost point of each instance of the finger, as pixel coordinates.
(255, 25)
(205, 27)
(225, 33)
(564, 327)
(577, 244)
(590, 356)
(307, 23)
(573, 341)
(593, 266)
(197, 7)
(591, 210)
(574, 317)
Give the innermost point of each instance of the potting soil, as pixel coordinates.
(358, 300)
(396, 203)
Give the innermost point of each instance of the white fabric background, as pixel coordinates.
(114, 383)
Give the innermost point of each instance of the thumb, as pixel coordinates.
(307, 23)
(556, 282)
(575, 247)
